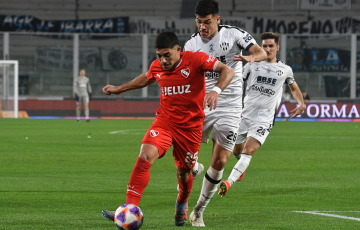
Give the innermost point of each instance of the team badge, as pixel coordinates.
(279, 72)
(224, 46)
(154, 133)
(211, 48)
(185, 72)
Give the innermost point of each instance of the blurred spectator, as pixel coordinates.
(306, 97)
(286, 97)
(297, 60)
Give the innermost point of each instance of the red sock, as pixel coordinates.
(185, 189)
(138, 181)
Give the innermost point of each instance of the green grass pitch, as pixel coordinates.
(60, 174)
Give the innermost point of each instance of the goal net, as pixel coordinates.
(9, 92)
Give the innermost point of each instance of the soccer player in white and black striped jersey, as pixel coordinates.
(226, 43)
(263, 93)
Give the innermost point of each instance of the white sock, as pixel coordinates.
(209, 187)
(239, 168)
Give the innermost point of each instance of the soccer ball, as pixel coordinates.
(128, 217)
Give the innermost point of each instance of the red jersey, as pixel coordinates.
(183, 89)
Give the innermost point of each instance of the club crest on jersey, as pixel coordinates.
(154, 133)
(210, 59)
(211, 48)
(279, 72)
(224, 46)
(185, 72)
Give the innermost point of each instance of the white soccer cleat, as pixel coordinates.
(199, 171)
(196, 219)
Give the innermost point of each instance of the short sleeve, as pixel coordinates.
(290, 77)
(206, 62)
(149, 73)
(243, 39)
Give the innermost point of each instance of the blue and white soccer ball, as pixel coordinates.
(128, 217)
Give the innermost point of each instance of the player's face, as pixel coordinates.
(271, 49)
(208, 25)
(82, 72)
(169, 57)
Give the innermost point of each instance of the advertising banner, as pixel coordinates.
(325, 4)
(322, 110)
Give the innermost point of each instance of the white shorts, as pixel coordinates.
(83, 99)
(248, 128)
(223, 124)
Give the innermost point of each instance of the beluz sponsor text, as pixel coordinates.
(177, 89)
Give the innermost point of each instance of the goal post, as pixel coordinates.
(9, 88)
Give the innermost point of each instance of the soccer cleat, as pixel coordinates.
(181, 213)
(110, 215)
(196, 219)
(242, 176)
(224, 188)
(199, 171)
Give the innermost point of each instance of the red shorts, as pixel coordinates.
(186, 143)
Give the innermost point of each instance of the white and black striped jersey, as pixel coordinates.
(228, 42)
(264, 88)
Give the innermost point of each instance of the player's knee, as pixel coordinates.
(237, 149)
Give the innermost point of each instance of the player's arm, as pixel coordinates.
(226, 76)
(257, 54)
(140, 81)
(296, 93)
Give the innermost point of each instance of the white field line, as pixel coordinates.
(321, 213)
(129, 131)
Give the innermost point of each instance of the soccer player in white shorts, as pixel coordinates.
(226, 43)
(263, 93)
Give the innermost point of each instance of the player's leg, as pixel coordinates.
(139, 177)
(256, 137)
(185, 181)
(78, 110)
(156, 142)
(210, 182)
(185, 150)
(212, 176)
(224, 136)
(238, 149)
(86, 108)
(251, 145)
(141, 173)
(209, 121)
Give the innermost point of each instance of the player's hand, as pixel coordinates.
(211, 100)
(250, 59)
(109, 89)
(297, 111)
(76, 97)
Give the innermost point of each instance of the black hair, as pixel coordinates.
(166, 39)
(206, 7)
(270, 35)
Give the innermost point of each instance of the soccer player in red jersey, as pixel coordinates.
(179, 120)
